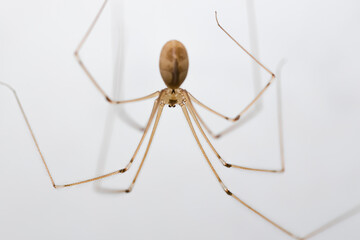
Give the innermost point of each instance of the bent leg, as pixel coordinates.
(228, 192)
(193, 114)
(156, 104)
(129, 189)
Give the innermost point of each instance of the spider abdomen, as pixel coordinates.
(174, 64)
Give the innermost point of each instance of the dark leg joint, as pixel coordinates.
(228, 165)
(237, 118)
(108, 99)
(127, 190)
(122, 170)
(228, 192)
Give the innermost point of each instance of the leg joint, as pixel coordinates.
(227, 165)
(228, 192)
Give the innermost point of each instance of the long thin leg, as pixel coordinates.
(123, 170)
(147, 149)
(213, 111)
(78, 58)
(193, 114)
(248, 116)
(127, 190)
(258, 62)
(156, 104)
(313, 233)
(83, 40)
(224, 186)
(30, 130)
(213, 135)
(237, 117)
(204, 124)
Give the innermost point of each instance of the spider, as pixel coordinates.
(174, 65)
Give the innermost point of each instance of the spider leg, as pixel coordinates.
(224, 186)
(257, 61)
(313, 233)
(204, 124)
(30, 130)
(194, 116)
(123, 170)
(251, 114)
(235, 119)
(86, 70)
(156, 105)
(247, 107)
(121, 112)
(213, 111)
(129, 189)
(147, 148)
(83, 40)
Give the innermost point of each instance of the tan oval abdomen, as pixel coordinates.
(174, 64)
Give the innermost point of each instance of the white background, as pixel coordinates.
(177, 196)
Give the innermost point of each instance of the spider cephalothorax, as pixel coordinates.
(172, 97)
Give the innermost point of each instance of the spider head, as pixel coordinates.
(174, 64)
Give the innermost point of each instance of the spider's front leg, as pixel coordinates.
(86, 70)
(198, 119)
(247, 107)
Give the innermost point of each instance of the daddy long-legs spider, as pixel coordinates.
(194, 124)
